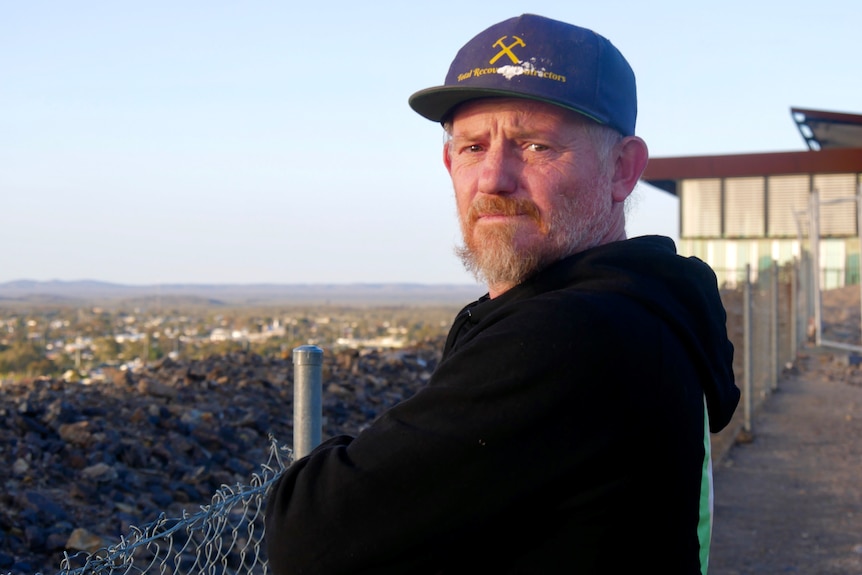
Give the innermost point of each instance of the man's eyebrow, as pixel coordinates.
(518, 133)
(469, 134)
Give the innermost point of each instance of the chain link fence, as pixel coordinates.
(772, 312)
(224, 537)
(764, 321)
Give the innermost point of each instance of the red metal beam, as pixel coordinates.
(836, 160)
(839, 117)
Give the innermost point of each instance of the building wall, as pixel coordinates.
(839, 258)
(734, 222)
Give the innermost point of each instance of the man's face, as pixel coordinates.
(530, 188)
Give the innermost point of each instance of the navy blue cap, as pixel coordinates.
(540, 59)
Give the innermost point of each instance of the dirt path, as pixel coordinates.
(790, 501)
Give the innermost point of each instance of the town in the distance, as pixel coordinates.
(80, 334)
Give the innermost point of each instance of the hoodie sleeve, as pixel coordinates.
(528, 422)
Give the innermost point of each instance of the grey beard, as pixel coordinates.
(499, 262)
(499, 265)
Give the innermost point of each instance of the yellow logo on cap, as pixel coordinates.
(507, 50)
(517, 68)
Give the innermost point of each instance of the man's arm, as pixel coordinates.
(512, 411)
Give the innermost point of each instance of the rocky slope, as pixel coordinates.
(96, 459)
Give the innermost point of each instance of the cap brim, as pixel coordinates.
(436, 103)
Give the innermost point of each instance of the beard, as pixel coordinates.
(497, 256)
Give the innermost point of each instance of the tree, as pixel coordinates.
(25, 358)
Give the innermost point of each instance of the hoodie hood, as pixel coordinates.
(681, 290)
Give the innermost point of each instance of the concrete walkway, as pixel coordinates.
(790, 500)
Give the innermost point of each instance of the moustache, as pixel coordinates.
(500, 206)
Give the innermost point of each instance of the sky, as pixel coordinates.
(192, 141)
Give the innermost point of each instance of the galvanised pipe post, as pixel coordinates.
(307, 400)
(748, 363)
(773, 328)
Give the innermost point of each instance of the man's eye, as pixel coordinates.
(538, 147)
(474, 148)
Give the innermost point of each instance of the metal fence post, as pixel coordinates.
(859, 233)
(795, 300)
(748, 338)
(307, 399)
(814, 242)
(773, 325)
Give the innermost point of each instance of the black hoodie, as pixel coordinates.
(562, 432)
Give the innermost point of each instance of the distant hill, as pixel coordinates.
(91, 291)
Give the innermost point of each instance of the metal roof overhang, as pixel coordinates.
(664, 173)
(822, 129)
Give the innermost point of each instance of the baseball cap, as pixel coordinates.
(538, 58)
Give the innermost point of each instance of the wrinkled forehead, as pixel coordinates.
(525, 111)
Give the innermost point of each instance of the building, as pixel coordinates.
(753, 209)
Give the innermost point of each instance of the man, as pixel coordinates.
(566, 428)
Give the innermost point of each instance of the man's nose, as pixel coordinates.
(499, 171)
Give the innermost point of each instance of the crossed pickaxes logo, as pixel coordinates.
(507, 50)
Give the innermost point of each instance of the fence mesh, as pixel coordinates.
(767, 318)
(224, 537)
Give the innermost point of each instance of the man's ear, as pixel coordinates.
(447, 159)
(631, 161)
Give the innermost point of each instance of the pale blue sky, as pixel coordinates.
(245, 142)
